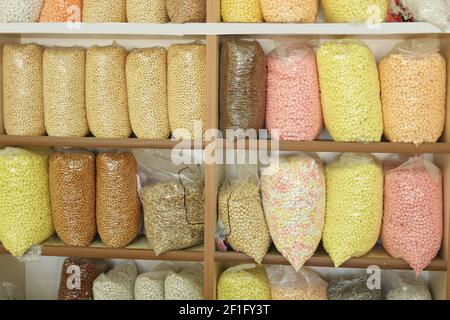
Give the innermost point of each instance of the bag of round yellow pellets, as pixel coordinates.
(23, 104)
(147, 93)
(20, 10)
(288, 284)
(185, 285)
(343, 11)
(354, 207)
(244, 282)
(413, 90)
(183, 11)
(25, 212)
(64, 92)
(147, 11)
(241, 223)
(106, 92)
(350, 91)
(241, 11)
(116, 284)
(293, 195)
(290, 11)
(404, 286)
(186, 80)
(173, 200)
(104, 11)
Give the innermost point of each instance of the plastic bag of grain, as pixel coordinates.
(413, 212)
(293, 111)
(106, 92)
(241, 222)
(244, 282)
(173, 200)
(25, 211)
(64, 92)
(147, 93)
(77, 278)
(344, 11)
(413, 90)
(62, 11)
(187, 90)
(288, 284)
(23, 103)
(118, 209)
(20, 10)
(104, 11)
(147, 11)
(354, 207)
(242, 85)
(117, 284)
(290, 11)
(404, 286)
(183, 11)
(293, 195)
(150, 286)
(185, 285)
(357, 288)
(72, 192)
(241, 11)
(350, 91)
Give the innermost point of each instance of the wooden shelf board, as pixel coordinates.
(137, 250)
(90, 142)
(377, 257)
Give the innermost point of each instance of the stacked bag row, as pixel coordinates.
(103, 11)
(253, 282)
(106, 91)
(88, 279)
(403, 98)
(297, 203)
(79, 194)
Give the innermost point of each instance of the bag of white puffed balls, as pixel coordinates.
(150, 286)
(404, 286)
(117, 284)
(435, 12)
(185, 285)
(20, 10)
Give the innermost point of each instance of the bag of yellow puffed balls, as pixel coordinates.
(244, 282)
(342, 11)
(25, 211)
(354, 206)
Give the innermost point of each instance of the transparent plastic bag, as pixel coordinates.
(354, 207)
(244, 282)
(413, 90)
(118, 211)
(23, 103)
(20, 10)
(183, 11)
(62, 11)
(77, 278)
(242, 85)
(241, 11)
(64, 92)
(186, 81)
(104, 11)
(147, 93)
(25, 210)
(293, 110)
(345, 11)
(150, 286)
(290, 11)
(397, 12)
(350, 91)
(241, 222)
(147, 11)
(413, 212)
(106, 92)
(293, 196)
(404, 286)
(173, 200)
(288, 284)
(72, 193)
(185, 285)
(117, 284)
(357, 288)
(9, 291)
(435, 12)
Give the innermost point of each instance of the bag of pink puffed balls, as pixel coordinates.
(413, 212)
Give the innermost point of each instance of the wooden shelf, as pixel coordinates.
(137, 250)
(377, 257)
(98, 142)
